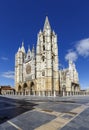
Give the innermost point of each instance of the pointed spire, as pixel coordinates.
(71, 64)
(46, 24)
(19, 49)
(40, 31)
(28, 53)
(33, 47)
(22, 48)
(33, 51)
(53, 32)
(29, 49)
(70, 61)
(22, 43)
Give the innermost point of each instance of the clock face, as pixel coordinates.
(28, 69)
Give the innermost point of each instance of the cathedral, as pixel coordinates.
(37, 71)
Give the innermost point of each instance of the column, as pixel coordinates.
(54, 94)
(33, 93)
(67, 93)
(43, 93)
(39, 93)
(48, 94)
(63, 93)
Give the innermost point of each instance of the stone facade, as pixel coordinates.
(38, 74)
(69, 81)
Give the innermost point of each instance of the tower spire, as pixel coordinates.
(29, 48)
(22, 43)
(46, 24)
(22, 48)
(29, 51)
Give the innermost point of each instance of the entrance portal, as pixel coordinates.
(19, 88)
(32, 88)
(24, 88)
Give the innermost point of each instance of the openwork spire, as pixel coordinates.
(46, 24)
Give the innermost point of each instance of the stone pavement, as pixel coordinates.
(44, 113)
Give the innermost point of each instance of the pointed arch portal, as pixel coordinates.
(19, 88)
(24, 88)
(32, 88)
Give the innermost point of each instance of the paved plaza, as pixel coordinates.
(44, 113)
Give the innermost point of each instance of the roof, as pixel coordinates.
(6, 88)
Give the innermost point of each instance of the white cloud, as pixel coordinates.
(4, 58)
(82, 47)
(71, 55)
(8, 74)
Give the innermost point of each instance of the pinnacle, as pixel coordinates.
(22, 43)
(29, 49)
(22, 48)
(47, 24)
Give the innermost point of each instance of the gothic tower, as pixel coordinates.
(19, 59)
(47, 61)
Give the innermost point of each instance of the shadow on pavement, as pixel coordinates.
(10, 108)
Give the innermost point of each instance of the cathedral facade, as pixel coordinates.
(37, 73)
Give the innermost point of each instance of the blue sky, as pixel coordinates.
(21, 20)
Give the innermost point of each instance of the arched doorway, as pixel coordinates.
(25, 88)
(32, 88)
(19, 88)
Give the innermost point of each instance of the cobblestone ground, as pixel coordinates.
(44, 113)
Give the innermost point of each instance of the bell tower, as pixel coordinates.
(47, 61)
(19, 59)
